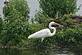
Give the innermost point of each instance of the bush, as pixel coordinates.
(58, 8)
(69, 37)
(15, 24)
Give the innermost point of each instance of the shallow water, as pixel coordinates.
(35, 51)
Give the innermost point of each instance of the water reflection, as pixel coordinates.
(8, 51)
(34, 51)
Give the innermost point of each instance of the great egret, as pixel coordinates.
(45, 32)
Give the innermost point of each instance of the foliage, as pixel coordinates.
(69, 36)
(15, 26)
(68, 21)
(16, 6)
(41, 17)
(58, 8)
(1, 22)
(34, 27)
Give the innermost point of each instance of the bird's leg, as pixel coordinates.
(42, 39)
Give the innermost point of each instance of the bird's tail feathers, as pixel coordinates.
(29, 37)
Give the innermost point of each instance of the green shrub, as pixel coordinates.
(15, 24)
(58, 8)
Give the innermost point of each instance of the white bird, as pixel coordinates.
(45, 32)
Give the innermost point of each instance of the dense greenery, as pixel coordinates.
(15, 24)
(15, 29)
(1, 24)
(58, 8)
(16, 6)
(68, 36)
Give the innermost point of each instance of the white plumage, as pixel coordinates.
(41, 34)
(44, 32)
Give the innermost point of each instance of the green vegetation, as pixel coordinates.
(69, 36)
(15, 29)
(61, 11)
(58, 7)
(15, 24)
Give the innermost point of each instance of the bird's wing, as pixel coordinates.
(40, 34)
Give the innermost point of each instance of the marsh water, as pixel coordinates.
(35, 51)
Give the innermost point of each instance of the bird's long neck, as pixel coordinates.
(54, 30)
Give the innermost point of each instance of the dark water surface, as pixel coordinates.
(34, 51)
